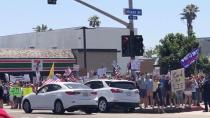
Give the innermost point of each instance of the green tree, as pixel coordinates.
(94, 21)
(151, 52)
(189, 14)
(42, 28)
(172, 49)
(203, 64)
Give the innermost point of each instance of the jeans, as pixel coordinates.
(206, 103)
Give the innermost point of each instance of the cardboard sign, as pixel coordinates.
(15, 91)
(177, 80)
(27, 91)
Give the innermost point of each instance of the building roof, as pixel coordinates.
(35, 53)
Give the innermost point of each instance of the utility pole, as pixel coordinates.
(84, 47)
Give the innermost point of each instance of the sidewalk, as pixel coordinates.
(170, 110)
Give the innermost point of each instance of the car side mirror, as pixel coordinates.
(36, 92)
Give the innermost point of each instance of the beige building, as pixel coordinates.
(205, 45)
(103, 44)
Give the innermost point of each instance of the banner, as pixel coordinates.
(101, 72)
(15, 91)
(25, 78)
(27, 91)
(135, 64)
(190, 58)
(177, 80)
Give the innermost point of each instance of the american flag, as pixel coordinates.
(72, 78)
(117, 72)
(49, 81)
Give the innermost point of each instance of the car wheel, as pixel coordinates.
(102, 105)
(27, 107)
(58, 108)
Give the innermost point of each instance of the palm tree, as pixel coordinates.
(94, 21)
(41, 28)
(189, 13)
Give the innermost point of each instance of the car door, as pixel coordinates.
(51, 95)
(97, 86)
(37, 101)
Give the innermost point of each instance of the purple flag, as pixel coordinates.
(190, 58)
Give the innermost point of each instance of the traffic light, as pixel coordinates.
(53, 2)
(125, 46)
(138, 46)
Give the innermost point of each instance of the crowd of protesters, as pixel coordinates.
(156, 91)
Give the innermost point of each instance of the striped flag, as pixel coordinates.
(117, 72)
(53, 80)
(72, 78)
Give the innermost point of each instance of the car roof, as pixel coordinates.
(62, 83)
(113, 80)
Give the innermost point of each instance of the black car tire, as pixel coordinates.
(27, 106)
(102, 105)
(58, 107)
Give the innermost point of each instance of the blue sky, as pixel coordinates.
(159, 18)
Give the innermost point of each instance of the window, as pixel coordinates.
(96, 85)
(43, 89)
(53, 87)
(88, 84)
(122, 85)
(77, 86)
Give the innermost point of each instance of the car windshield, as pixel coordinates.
(122, 85)
(76, 86)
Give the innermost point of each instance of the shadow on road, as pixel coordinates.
(66, 113)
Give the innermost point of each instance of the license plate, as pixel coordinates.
(85, 94)
(128, 93)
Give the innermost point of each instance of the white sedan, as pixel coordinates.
(60, 97)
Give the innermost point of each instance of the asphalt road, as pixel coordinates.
(48, 114)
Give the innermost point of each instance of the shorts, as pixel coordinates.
(188, 93)
(143, 93)
(149, 93)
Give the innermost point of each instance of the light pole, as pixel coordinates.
(84, 47)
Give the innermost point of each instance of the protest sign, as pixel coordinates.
(15, 91)
(27, 91)
(177, 80)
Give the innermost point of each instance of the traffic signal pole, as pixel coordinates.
(131, 27)
(132, 54)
